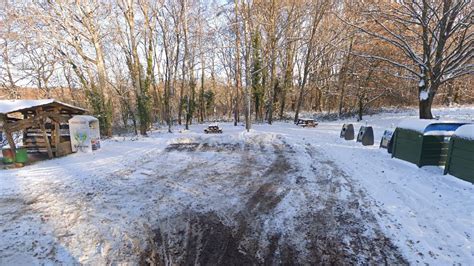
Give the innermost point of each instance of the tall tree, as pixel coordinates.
(317, 15)
(257, 69)
(76, 32)
(435, 37)
(141, 78)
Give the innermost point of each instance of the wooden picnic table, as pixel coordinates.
(213, 129)
(306, 122)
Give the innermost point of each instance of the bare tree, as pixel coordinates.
(318, 12)
(138, 61)
(10, 43)
(74, 29)
(436, 38)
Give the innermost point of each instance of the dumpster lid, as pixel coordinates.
(465, 132)
(431, 127)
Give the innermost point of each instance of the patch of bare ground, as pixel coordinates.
(328, 221)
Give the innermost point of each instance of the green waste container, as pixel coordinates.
(422, 141)
(21, 156)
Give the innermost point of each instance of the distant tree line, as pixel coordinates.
(135, 63)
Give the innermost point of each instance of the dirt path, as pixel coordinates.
(330, 222)
(202, 200)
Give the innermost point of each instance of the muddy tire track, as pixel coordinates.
(351, 234)
(332, 224)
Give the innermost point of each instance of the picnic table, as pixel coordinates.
(213, 129)
(306, 122)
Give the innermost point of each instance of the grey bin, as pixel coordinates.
(386, 141)
(347, 132)
(366, 136)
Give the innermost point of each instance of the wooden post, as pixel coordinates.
(57, 134)
(11, 142)
(57, 137)
(8, 134)
(46, 139)
(45, 135)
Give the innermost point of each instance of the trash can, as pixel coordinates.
(347, 132)
(386, 141)
(422, 141)
(21, 155)
(7, 156)
(366, 135)
(460, 162)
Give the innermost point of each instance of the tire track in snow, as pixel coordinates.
(293, 213)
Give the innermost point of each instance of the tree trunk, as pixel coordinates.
(299, 103)
(316, 20)
(342, 78)
(360, 112)
(425, 108)
(425, 98)
(237, 64)
(201, 93)
(102, 76)
(287, 83)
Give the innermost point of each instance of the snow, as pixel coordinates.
(85, 118)
(439, 133)
(420, 125)
(102, 208)
(424, 95)
(417, 125)
(422, 83)
(8, 106)
(465, 132)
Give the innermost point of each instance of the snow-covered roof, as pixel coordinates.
(465, 132)
(10, 106)
(421, 125)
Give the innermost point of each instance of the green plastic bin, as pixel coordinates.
(21, 156)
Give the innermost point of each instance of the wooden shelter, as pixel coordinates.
(44, 124)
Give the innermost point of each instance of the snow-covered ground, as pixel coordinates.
(277, 194)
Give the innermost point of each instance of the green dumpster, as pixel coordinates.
(423, 142)
(460, 162)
